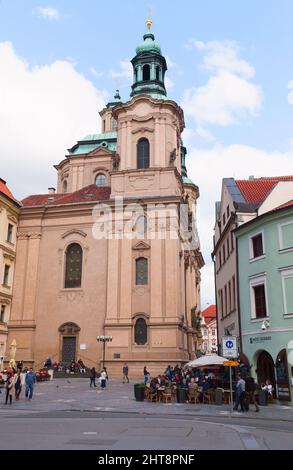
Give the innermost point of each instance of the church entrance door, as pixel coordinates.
(69, 349)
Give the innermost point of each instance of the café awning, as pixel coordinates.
(207, 360)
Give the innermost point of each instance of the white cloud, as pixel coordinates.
(48, 13)
(126, 70)
(290, 94)
(238, 161)
(44, 110)
(169, 84)
(95, 72)
(228, 95)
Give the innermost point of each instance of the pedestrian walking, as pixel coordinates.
(251, 391)
(103, 378)
(125, 372)
(18, 382)
(145, 374)
(240, 394)
(9, 389)
(93, 377)
(30, 380)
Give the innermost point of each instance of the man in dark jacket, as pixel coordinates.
(251, 388)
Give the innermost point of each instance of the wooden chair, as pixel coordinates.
(193, 395)
(208, 397)
(167, 396)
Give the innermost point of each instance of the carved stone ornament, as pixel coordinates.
(71, 296)
(69, 328)
(35, 235)
(115, 161)
(186, 260)
(22, 235)
(172, 157)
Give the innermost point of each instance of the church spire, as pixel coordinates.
(149, 67)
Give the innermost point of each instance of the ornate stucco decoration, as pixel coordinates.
(115, 161)
(172, 157)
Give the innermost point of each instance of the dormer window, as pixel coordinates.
(100, 180)
(146, 72)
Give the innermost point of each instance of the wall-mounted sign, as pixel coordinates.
(259, 339)
(82, 346)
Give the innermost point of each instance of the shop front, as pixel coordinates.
(270, 356)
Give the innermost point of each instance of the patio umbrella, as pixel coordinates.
(205, 361)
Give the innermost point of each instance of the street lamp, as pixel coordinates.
(104, 339)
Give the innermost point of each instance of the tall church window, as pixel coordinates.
(141, 271)
(143, 153)
(73, 270)
(146, 75)
(140, 331)
(101, 180)
(64, 186)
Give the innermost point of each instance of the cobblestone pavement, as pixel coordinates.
(75, 394)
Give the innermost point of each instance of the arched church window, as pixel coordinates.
(157, 73)
(146, 75)
(73, 265)
(141, 277)
(64, 186)
(140, 331)
(143, 153)
(100, 180)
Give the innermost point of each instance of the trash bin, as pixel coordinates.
(218, 396)
(262, 398)
(181, 395)
(139, 390)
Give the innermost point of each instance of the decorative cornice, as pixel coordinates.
(26, 235)
(142, 130)
(74, 232)
(141, 246)
(9, 256)
(12, 218)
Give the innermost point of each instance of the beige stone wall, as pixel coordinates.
(109, 301)
(8, 215)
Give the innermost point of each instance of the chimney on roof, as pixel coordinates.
(51, 190)
(251, 178)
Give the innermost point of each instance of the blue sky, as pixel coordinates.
(230, 64)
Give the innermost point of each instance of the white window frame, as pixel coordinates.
(251, 257)
(285, 274)
(253, 282)
(280, 234)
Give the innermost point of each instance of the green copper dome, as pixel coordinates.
(149, 68)
(149, 44)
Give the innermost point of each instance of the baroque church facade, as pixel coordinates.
(103, 255)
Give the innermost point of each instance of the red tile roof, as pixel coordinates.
(90, 193)
(256, 190)
(209, 312)
(5, 190)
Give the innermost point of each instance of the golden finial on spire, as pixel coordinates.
(149, 21)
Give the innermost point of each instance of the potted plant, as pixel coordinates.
(139, 390)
